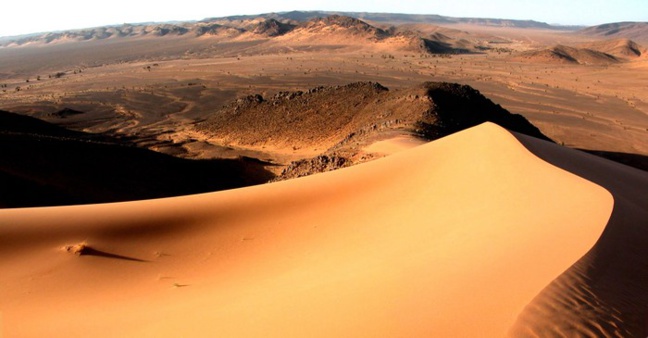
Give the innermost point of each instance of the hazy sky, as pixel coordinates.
(20, 17)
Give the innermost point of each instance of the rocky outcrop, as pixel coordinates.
(341, 119)
(272, 28)
(319, 164)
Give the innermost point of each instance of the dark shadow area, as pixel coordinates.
(632, 160)
(88, 251)
(458, 107)
(608, 284)
(440, 47)
(46, 165)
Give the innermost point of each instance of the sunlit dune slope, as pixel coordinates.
(451, 238)
(604, 294)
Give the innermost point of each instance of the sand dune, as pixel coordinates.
(393, 145)
(451, 238)
(604, 293)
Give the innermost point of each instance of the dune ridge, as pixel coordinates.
(604, 293)
(446, 239)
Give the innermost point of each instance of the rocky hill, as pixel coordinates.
(620, 48)
(334, 30)
(214, 29)
(301, 16)
(343, 30)
(272, 27)
(44, 164)
(348, 25)
(340, 120)
(301, 119)
(356, 29)
(637, 31)
(567, 54)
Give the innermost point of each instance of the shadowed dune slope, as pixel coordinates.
(604, 294)
(451, 238)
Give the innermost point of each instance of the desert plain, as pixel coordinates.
(483, 231)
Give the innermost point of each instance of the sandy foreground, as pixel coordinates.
(457, 237)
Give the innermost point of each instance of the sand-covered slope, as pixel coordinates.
(604, 294)
(451, 238)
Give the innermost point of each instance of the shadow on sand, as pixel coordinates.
(85, 250)
(604, 293)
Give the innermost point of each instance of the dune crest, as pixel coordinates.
(604, 293)
(451, 238)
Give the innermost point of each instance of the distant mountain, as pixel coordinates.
(301, 16)
(217, 30)
(350, 24)
(637, 31)
(621, 48)
(44, 165)
(275, 23)
(334, 30)
(340, 30)
(272, 27)
(567, 54)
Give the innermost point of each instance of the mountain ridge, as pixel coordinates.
(287, 18)
(334, 29)
(567, 54)
(634, 30)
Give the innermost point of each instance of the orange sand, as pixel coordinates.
(452, 238)
(394, 145)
